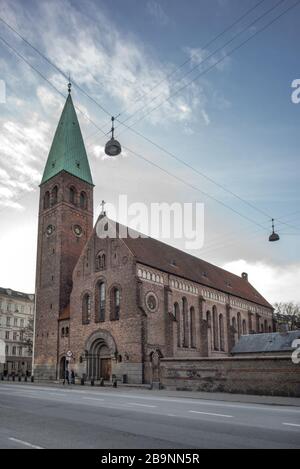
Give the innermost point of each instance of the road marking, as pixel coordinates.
(291, 424)
(25, 443)
(209, 413)
(92, 398)
(141, 405)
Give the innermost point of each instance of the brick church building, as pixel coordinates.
(118, 304)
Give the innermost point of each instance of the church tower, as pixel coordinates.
(64, 226)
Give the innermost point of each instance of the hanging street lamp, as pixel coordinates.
(273, 236)
(113, 147)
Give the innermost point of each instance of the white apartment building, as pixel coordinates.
(16, 320)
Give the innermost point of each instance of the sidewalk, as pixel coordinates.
(144, 389)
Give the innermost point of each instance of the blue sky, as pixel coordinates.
(237, 123)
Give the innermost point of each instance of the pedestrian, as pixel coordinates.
(72, 377)
(66, 376)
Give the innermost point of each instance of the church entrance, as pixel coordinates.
(99, 361)
(62, 367)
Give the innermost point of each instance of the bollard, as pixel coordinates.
(82, 381)
(32, 378)
(101, 383)
(115, 383)
(92, 382)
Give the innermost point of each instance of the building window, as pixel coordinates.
(193, 327)
(209, 331)
(21, 336)
(177, 317)
(244, 327)
(7, 335)
(83, 200)
(67, 332)
(221, 332)
(14, 350)
(6, 349)
(20, 351)
(86, 309)
(8, 321)
(115, 304)
(63, 332)
(47, 200)
(54, 195)
(185, 321)
(72, 195)
(100, 302)
(15, 321)
(239, 325)
(15, 336)
(100, 261)
(215, 328)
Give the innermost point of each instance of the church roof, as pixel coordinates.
(271, 342)
(67, 152)
(156, 254)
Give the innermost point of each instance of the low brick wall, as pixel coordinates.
(276, 376)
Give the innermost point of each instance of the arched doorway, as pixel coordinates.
(101, 350)
(62, 367)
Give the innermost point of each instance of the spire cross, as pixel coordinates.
(103, 206)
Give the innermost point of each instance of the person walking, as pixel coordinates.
(66, 376)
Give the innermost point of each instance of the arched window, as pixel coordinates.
(193, 327)
(244, 327)
(100, 261)
(47, 200)
(115, 304)
(100, 297)
(209, 331)
(67, 332)
(83, 200)
(54, 195)
(239, 325)
(86, 309)
(265, 325)
(177, 317)
(72, 195)
(215, 328)
(221, 332)
(185, 320)
(63, 332)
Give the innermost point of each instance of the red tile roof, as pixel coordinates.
(164, 257)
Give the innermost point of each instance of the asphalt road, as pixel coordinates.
(52, 417)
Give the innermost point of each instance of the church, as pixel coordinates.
(112, 307)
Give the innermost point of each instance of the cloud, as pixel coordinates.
(156, 11)
(275, 282)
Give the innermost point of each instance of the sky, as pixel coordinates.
(229, 116)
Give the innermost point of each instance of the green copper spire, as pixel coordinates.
(67, 152)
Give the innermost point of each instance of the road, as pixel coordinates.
(33, 416)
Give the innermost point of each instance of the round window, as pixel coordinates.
(77, 230)
(151, 301)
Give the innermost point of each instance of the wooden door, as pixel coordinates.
(106, 368)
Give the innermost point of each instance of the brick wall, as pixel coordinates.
(265, 375)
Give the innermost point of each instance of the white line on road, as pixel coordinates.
(25, 443)
(291, 424)
(141, 405)
(209, 413)
(92, 398)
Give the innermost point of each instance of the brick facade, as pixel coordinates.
(119, 305)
